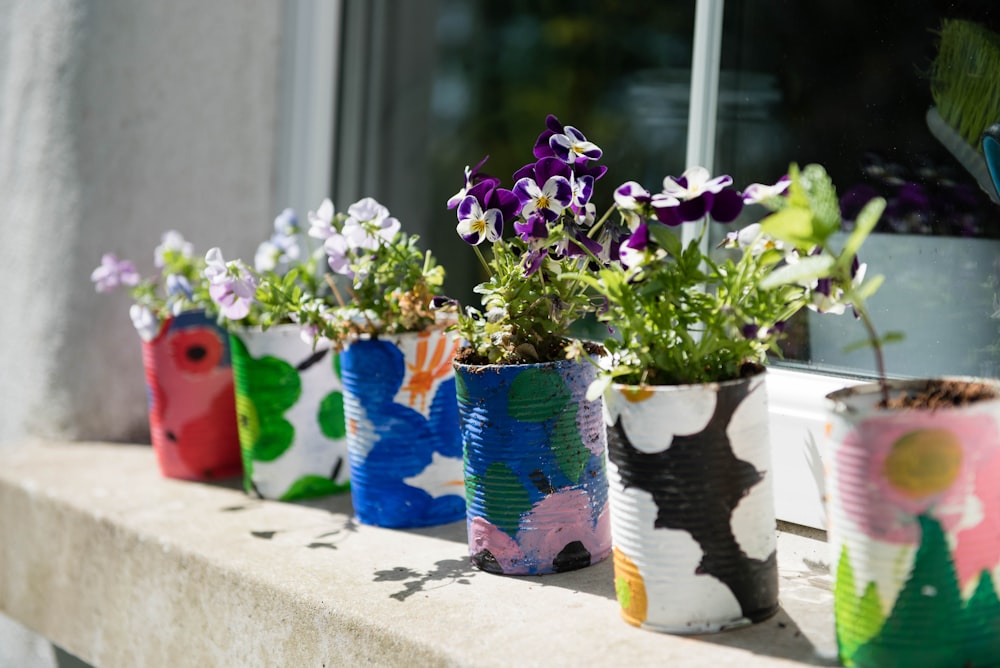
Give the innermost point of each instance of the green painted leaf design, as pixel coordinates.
(537, 394)
(858, 619)
(568, 448)
(312, 486)
(331, 416)
(507, 500)
(270, 386)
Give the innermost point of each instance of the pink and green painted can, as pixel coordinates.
(535, 484)
(914, 529)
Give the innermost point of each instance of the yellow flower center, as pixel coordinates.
(924, 462)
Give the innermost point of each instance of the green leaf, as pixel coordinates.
(596, 389)
(666, 239)
(889, 337)
(823, 202)
(870, 286)
(863, 225)
(806, 269)
(791, 224)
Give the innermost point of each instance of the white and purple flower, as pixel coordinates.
(321, 221)
(547, 192)
(570, 146)
(231, 285)
(113, 272)
(696, 194)
(483, 212)
(172, 242)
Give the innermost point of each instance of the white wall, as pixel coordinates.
(119, 119)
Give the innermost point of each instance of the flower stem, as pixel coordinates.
(877, 345)
(482, 260)
(600, 223)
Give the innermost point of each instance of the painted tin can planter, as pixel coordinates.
(290, 407)
(403, 442)
(914, 529)
(535, 482)
(692, 508)
(192, 412)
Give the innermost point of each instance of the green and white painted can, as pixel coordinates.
(290, 410)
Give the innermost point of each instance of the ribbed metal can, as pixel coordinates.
(535, 481)
(403, 440)
(692, 508)
(192, 412)
(914, 528)
(290, 406)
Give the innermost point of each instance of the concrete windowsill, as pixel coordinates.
(125, 568)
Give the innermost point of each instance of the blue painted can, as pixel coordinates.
(535, 480)
(403, 442)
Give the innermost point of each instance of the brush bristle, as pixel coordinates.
(965, 78)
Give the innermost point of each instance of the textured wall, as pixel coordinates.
(119, 119)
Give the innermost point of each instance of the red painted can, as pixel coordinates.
(192, 407)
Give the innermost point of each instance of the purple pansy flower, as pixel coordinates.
(578, 242)
(696, 194)
(632, 197)
(472, 177)
(548, 192)
(533, 260)
(583, 189)
(483, 212)
(542, 149)
(531, 229)
(757, 192)
(570, 146)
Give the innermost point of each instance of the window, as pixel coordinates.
(426, 88)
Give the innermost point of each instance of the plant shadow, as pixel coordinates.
(780, 637)
(445, 572)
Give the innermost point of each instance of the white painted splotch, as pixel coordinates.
(443, 476)
(679, 600)
(651, 424)
(752, 522)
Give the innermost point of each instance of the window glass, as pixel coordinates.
(494, 69)
(430, 87)
(849, 85)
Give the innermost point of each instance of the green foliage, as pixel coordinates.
(686, 316)
(525, 318)
(806, 221)
(389, 291)
(963, 78)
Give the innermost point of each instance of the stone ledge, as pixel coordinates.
(125, 568)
